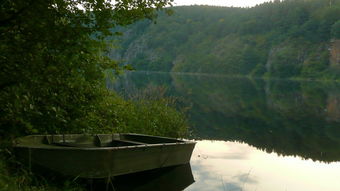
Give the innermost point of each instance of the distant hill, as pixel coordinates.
(287, 39)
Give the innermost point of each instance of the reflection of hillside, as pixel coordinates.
(174, 178)
(290, 118)
(219, 94)
(287, 117)
(333, 107)
(132, 82)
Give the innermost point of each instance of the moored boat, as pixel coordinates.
(102, 155)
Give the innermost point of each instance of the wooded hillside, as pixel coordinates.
(286, 39)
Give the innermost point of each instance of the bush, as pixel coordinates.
(147, 112)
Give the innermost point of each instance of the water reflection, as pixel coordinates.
(286, 117)
(234, 166)
(175, 178)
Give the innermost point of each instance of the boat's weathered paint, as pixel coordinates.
(104, 155)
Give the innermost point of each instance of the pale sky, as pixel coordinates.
(226, 3)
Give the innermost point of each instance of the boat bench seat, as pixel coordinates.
(69, 144)
(129, 142)
(113, 143)
(87, 142)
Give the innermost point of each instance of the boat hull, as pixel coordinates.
(101, 162)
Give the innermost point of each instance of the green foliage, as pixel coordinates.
(336, 30)
(27, 182)
(237, 41)
(15, 176)
(149, 112)
(155, 117)
(53, 55)
(286, 63)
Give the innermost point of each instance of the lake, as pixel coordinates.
(255, 134)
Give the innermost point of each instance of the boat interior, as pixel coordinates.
(99, 140)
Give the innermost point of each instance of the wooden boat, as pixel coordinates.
(102, 155)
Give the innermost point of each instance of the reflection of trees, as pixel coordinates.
(172, 178)
(287, 117)
(132, 82)
(333, 107)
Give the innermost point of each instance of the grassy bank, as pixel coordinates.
(149, 112)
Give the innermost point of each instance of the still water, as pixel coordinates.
(254, 134)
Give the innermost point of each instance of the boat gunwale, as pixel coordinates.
(54, 147)
(146, 145)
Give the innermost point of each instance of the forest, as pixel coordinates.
(279, 39)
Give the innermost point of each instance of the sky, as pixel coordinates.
(226, 3)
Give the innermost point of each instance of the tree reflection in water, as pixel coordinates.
(291, 118)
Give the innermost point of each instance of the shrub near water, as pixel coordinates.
(148, 112)
(155, 117)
